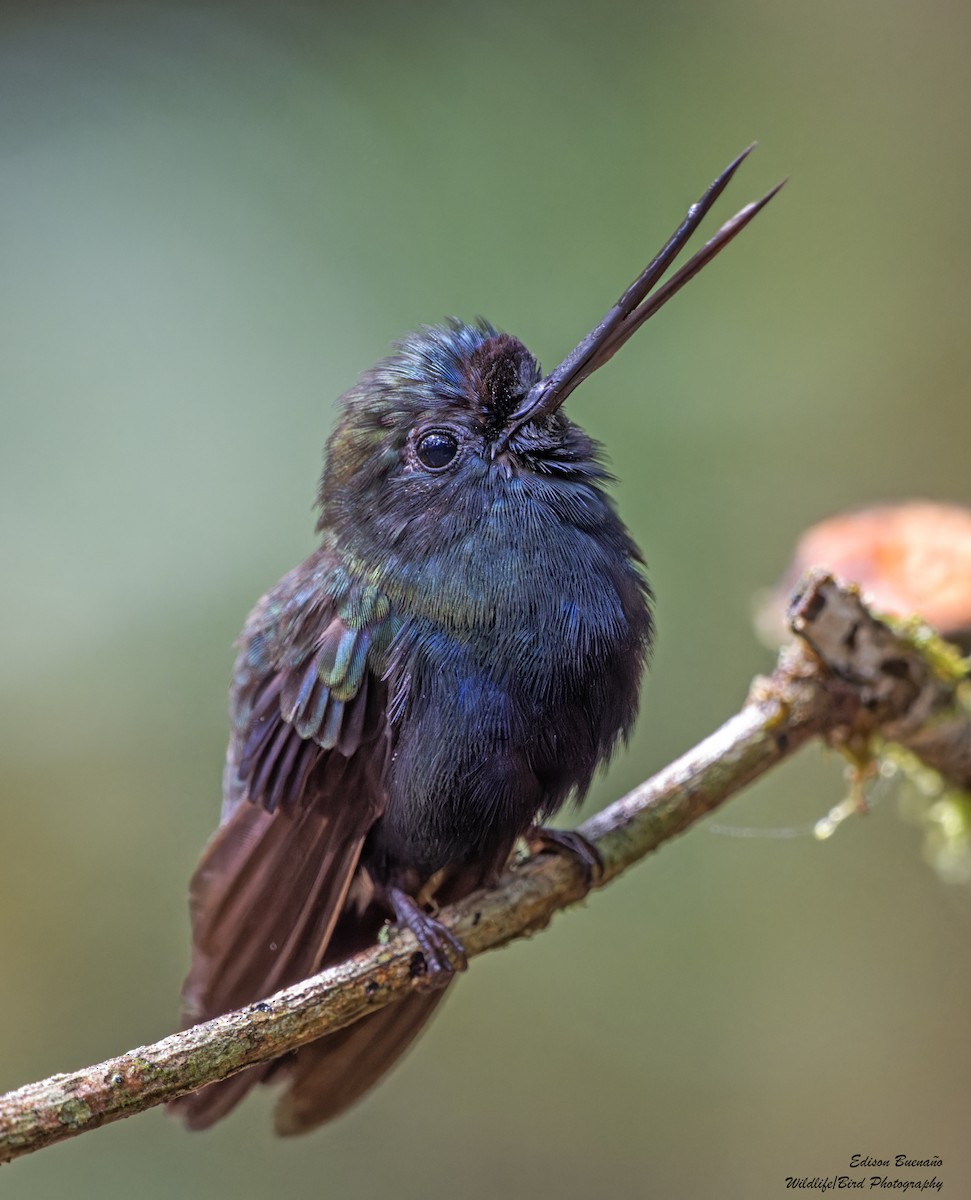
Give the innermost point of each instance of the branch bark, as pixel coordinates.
(851, 678)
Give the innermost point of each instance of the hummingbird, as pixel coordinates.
(430, 686)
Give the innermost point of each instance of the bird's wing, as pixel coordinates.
(329, 1075)
(305, 781)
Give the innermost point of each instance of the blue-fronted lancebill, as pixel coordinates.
(451, 666)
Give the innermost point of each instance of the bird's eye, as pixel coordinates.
(436, 449)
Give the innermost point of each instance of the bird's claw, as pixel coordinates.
(571, 843)
(442, 953)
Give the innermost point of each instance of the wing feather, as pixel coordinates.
(305, 781)
(328, 1076)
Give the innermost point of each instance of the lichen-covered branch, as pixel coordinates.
(827, 690)
(897, 681)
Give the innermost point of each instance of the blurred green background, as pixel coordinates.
(212, 218)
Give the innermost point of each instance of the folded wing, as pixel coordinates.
(305, 781)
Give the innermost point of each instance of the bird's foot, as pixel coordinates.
(569, 842)
(442, 953)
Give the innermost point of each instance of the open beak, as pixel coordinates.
(638, 303)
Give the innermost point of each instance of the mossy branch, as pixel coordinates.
(850, 679)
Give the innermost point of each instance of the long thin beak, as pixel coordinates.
(637, 304)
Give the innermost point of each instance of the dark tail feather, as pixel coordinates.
(329, 1076)
(201, 1109)
(265, 898)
